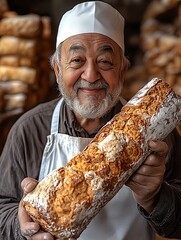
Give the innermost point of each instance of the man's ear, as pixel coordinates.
(124, 67)
(57, 70)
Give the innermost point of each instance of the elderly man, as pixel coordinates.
(90, 66)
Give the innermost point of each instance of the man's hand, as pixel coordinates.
(146, 181)
(30, 229)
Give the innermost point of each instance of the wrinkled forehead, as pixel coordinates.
(91, 39)
(92, 17)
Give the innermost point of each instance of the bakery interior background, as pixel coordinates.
(153, 46)
(152, 39)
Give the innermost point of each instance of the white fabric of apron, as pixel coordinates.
(119, 219)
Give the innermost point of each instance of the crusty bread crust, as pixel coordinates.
(68, 198)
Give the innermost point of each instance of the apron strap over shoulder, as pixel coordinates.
(55, 117)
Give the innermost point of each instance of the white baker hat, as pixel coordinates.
(92, 17)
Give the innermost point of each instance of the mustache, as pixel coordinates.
(81, 83)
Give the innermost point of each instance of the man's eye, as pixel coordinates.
(76, 60)
(104, 63)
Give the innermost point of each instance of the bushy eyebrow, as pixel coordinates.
(106, 48)
(74, 48)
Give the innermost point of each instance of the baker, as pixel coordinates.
(90, 66)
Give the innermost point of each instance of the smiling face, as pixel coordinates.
(90, 74)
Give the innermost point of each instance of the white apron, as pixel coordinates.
(119, 219)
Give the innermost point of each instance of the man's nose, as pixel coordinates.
(90, 72)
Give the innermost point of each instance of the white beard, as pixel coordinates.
(91, 110)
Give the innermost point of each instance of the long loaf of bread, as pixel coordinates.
(67, 200)
(28, 26)
(24, 74)
(11, 45)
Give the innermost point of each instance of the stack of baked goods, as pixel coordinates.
(65, 201)
(25, 46)
(160, 47)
